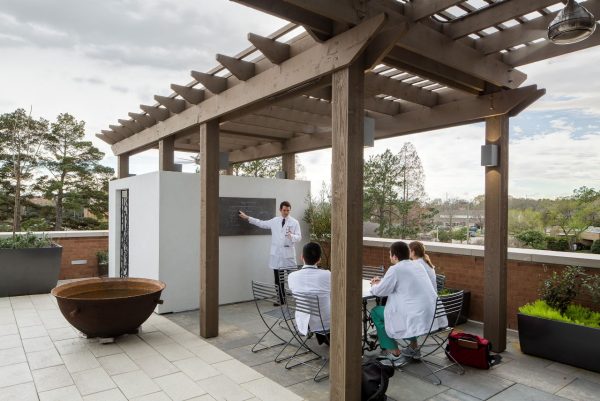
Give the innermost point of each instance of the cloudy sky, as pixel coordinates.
(99, 60)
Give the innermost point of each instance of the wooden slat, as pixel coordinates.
(173, 105)
(213, 83)
(493, 15)
(166, 154)
(273, 50)
(382, 106)
(158, 113)
(192, 95)
(131, 125)
(143, 119)
(209, 229)
(242, 70)
(119, 129)
(496, 235)
(422, 9)
(346, 240)
(298, 71)
(376, 84)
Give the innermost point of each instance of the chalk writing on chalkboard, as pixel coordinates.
(231, 224)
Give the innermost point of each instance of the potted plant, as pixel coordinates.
(102, 257)
(29, 264)
(556, 329)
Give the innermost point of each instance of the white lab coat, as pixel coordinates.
(312, 280)
(411, 301)
(283, 253)
(430, 272)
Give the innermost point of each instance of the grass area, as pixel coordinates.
(575, 314)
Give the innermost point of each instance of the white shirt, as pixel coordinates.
(283, 253)
(430, 272)
(312, 280)
(411, 301)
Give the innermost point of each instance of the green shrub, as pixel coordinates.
(559, 290)
(596, 246)
(27, 240)
(557, 244)
(592, 286)
(575, 314)
(445, 235)
(102, 257)
(532, 238)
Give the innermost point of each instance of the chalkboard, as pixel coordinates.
(231, 224)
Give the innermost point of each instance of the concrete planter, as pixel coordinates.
(567, 343)
(29, 270)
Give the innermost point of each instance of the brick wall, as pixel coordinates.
(466, 272)
(80, 248)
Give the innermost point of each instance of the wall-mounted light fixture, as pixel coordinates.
(489, 155)
(369, 132)
(572, 24)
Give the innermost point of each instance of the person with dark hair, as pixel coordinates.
(285, 232)
(410, 306)
(312, 280)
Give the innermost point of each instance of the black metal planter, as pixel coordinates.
(464, 312)
(29, 271)
(567, 343)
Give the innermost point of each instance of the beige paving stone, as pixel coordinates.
(135, 384)
(27, 321)
(188, 340)
(37, 344)
(14, 374)
(11, 356)
(523, 372)
(160, 396)
(237, 371)
(223, 388)
(62, 333)
(52, 378)
(71, 346)
(33, 331)
(55, 323)
(8, 328)
(117, 364)
(61, 394)
(44, 359)
(80, 361)
(100, 350)
(581, 390)
(10, 341)
(211, 354)
(156, 366)
(174, 352)
(137, 349)
(267, 390)
(93, 381)
(156, 338)
(19, 392)
(179, 387)
(196, 368)
(108, 395)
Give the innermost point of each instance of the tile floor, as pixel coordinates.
(518, 378)
(43, 358)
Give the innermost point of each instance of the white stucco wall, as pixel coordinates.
(164, 234)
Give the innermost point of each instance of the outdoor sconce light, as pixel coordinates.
(223, 160)
(369, 132)
(489, 155)
(572, 24)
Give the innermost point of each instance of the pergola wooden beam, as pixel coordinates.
(173, 105)
(423, 9)
(276, 52)
(131, 125)
(376, 84)
(292, 74)
(143, 119)
(242, 70)
(158, 113)
(119, 129)
(213, 83)
(192, 95)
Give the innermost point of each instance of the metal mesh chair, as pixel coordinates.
(309, 304)
(435, 340)
(264, 295)
(440, 280)
(368, 272)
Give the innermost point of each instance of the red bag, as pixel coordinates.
(471, 350)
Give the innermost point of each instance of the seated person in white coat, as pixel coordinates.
(410, 306)
(417, 253)
(312, 280)
(285, 232)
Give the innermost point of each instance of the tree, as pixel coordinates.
(264, 168)
(76, 179)
(318, 216)
(460, 234)
(382, 180)
(524, 220)
(412, 178)
(21, 141)
(532, 238)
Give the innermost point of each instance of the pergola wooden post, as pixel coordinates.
(496, 235)
(346, 241)
(288, 165)
(209, 229)
(123, 165)
(166, 154)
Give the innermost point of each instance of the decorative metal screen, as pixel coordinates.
(124, 251)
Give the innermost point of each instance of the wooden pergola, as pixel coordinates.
(412, 66)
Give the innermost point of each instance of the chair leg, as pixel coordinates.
(265, 347)
(296, 355)
(318, 378)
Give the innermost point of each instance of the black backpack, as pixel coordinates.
(375, 378)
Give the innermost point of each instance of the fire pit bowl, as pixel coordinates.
(108, 307)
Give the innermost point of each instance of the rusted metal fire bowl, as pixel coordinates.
(108, 307)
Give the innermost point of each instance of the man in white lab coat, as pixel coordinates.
(285, 232)
(315, 281)
(410, 306)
